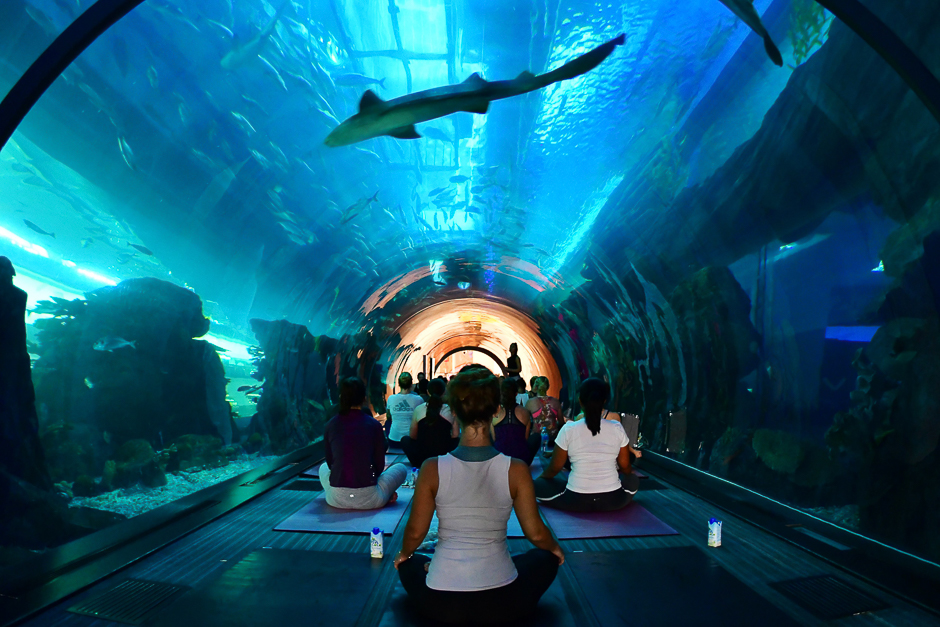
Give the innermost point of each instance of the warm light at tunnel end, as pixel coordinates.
(473, 322)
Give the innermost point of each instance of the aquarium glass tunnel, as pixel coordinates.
(735, 222)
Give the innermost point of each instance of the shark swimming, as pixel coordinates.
(241, 53)
(397, 117)
(745, 10)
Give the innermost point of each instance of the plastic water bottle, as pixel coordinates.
(376, 543)
(413, 477)
(545, 439)
(714, 532)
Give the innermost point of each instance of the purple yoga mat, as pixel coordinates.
(318, 517)
(632, 521)
(314, 471)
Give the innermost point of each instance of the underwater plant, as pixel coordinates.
(809, 28)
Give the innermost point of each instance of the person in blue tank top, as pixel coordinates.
(472, 576)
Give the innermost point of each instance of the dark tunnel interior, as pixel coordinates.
(748, 253)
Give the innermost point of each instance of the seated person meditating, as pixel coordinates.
(597, 448)
(472, 577)
(400, 408)
(352, 474)
(434, 429)
(545, 410)
(511, 425)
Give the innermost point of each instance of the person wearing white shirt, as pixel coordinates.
(401, 408)
(597, 448)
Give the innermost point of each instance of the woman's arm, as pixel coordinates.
(527, 511)
(623, 460)
(559, 457)
(422, 511)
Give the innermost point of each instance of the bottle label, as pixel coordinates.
(714, 532)
(376, 545)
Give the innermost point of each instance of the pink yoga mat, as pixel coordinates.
(318, 517)
(314, 471)
(632, 521)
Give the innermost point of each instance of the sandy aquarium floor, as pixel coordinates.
(137, 500)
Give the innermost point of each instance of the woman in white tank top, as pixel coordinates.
(474, 489)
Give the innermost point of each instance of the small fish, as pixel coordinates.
(142, 249)
(357, 80)
(124, 258)
(460, 178)
(37, 229)
(89, 384)
(243, 121)
(153, 77)
(249, 388)
(126, 153)
(274, 71)
(355, 209)
(88, 241)
(436, 191)
(110, 344)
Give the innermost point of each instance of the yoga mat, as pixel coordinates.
(631, 521)
(668, 587)
(640, 474)
(280, 587)
(318, 517)
(390, 458)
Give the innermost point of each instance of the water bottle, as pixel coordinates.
(545, 439)
(714, 532)
(413, 477)
(376, 543)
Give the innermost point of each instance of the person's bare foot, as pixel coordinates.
(393, 498)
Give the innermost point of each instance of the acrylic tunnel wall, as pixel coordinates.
(748, 253)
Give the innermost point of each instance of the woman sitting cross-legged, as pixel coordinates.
(434, 429)
(352, 474)
(597, 449)
(472, 577)
(511, 426)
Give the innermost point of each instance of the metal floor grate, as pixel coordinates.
(828, 597)
(131, 601)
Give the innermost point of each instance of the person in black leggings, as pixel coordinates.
(597, 449)
(472, 577)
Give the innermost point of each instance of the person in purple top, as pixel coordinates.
(352, 474)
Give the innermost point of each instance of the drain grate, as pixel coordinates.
(828, 597)
(131, 601)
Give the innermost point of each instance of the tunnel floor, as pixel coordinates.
(642, 581)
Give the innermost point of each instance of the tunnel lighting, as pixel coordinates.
(94, 276)
(464, 285)
(26, 245)
(69, 264)
(880, 268)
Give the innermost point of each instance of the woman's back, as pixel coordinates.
(434, 433)
(593, 457)
(510, 436)
(473, 504)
